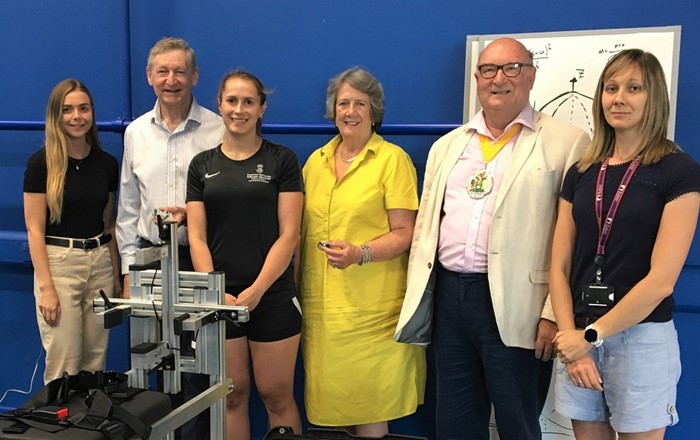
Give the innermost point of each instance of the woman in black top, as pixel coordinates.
(69, 188)
(244, 202)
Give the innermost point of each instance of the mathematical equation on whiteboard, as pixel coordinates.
(542, 53)
(616, 48)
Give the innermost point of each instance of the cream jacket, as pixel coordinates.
(521, 232)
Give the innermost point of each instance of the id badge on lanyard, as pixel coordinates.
(599, 295)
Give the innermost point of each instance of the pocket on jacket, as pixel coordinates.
(539, 276)
(543, 180)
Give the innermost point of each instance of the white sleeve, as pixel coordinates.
(129, 208)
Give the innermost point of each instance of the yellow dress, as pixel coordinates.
(355, 372)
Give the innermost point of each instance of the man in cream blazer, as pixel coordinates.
(479, 263)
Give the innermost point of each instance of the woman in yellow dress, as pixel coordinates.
(359, 213)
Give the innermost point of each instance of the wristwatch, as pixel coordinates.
(591, 336)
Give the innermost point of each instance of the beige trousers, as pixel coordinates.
(76, 343)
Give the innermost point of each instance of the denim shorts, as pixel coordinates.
(640, 368)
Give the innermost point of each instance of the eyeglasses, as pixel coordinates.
(510, 70)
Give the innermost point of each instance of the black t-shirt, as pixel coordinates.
(241, 198)
(635, 226)
(85, 193)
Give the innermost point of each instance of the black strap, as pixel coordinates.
(23, 417)
(60, 390)
(133, 422)
(102, 416)
(16, 428)
(100, 407)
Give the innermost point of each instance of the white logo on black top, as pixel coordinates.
(209, 176)
(258, 175)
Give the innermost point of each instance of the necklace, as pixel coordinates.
(347, 160)
(77, 164)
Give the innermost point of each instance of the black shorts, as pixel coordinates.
(274, 319)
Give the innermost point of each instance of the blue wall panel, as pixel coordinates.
(415, 47)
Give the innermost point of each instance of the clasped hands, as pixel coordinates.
(572, 351)
(249, 297)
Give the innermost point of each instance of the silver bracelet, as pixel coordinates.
(366, 254)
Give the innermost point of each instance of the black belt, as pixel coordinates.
(583, 321)
(80, 243)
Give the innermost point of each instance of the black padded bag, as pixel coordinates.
(100, 406)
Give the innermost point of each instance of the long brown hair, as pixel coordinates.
(654, 127)
(57, 144)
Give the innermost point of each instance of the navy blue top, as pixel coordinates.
(634, 230)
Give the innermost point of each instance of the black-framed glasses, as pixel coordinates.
(511, 70)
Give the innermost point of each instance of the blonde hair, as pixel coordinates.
(654, 126)
(56, 144)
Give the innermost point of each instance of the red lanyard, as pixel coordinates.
(604, 228)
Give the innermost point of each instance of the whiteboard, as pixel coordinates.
(569, 65)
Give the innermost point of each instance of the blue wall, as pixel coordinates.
(415, 47)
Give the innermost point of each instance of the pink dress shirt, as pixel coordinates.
(465, 224)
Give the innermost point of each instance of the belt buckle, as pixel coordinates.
(87, 243)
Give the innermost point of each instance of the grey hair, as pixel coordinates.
(169, 44)
(362, 80)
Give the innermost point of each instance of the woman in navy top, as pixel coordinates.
(627, 217)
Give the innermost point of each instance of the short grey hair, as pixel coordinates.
(169, 44)
(360, 79)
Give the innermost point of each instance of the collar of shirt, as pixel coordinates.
(526, 117)
(194, 115)
(374, 144)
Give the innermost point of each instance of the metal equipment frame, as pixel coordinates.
(163, 304)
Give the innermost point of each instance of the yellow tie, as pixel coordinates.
(491, 148)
